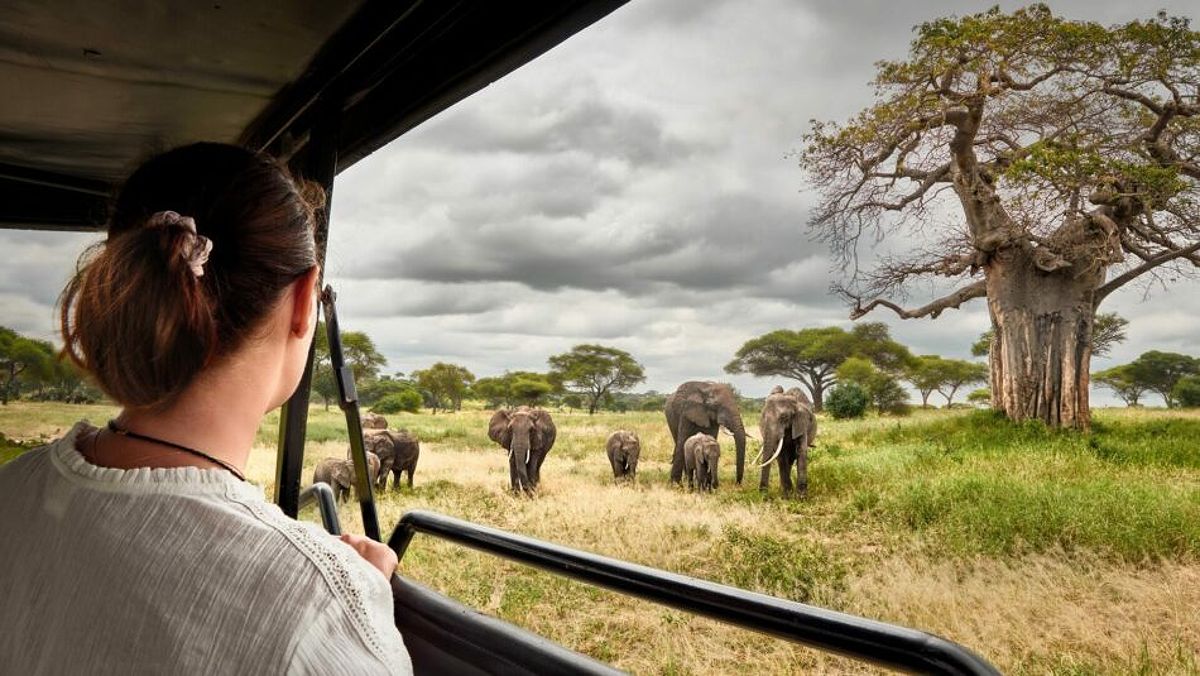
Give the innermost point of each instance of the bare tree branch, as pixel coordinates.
(1129, 275)
(932, 309)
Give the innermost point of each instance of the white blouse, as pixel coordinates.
(176, 571)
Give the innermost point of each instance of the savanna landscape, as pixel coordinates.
(1046, 551)
(983, 293)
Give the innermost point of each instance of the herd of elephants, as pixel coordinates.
(695, 414)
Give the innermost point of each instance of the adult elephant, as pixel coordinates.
(703, 406)
(398, 453)
(788, 428)
(528, 435)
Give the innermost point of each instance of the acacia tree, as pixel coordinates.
(812, 356)
(22, 358)
(597, 371)
(446, 384)
(1160, 371)
(1071, 154)
(958, 373)
(1123, 382)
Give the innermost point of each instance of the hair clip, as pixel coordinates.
(195, 248)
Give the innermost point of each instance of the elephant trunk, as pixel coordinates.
(733, 422)
(519, 454)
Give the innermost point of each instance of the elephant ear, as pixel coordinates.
(696, 408)
(498, 430)
(544, 425)
(803, 423)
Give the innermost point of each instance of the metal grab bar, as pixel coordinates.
(883, 644)
(322, 494)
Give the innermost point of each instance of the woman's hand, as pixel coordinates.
(375, 553)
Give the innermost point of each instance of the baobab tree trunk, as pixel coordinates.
(1041, 355)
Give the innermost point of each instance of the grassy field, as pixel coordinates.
(1046, 552)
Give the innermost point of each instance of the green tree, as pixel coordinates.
(358, 350)
(1068, 149)
(881, 388)
(447, 384)
(1108, 330)
(493, 390)
(22, 360)
(514, 387)
(958, 373)
(1186, 392)
(812, 356)
(1123, 382)
(926, 373)
(596, 371)
(1159, 372)
(980, 397)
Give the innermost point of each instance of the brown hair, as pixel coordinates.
(137, 318)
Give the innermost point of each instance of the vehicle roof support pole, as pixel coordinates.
(316, 162)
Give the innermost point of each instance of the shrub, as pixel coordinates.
(1187, 392)
(847, 400)
(405, 400)
(890, 397)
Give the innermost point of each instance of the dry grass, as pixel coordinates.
(1063, 606)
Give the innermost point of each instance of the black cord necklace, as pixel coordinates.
(116, 429)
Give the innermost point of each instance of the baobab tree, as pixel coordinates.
(1045, 163)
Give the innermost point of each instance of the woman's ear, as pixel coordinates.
(304, 303)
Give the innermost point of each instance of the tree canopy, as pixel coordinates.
(1153, 371)
(813, 355)
(446, 384)
(1123, 382)
(359, 352)
(514, 388)
(1066, 148)
(596, 371)
(1160, 372)
(22, 358)
(931, 373)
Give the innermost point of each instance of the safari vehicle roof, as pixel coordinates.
(89, 89)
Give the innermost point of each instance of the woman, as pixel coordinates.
(138, 546)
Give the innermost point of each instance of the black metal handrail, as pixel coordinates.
(322, 494)
(884, 644)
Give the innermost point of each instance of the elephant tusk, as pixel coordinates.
(777, 451)
(527, 451)
(510, 454)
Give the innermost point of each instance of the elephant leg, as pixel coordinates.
(785, 470)
(677, 459)
(538, 459)
(802, 469)
(765, 481)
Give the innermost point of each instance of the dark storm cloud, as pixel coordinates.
(726, 241)
(630, 186)
(576, 119)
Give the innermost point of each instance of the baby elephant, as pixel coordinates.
(339, 474)
(623, 450)
(700, 455)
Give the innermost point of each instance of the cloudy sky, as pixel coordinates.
(635, 187)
